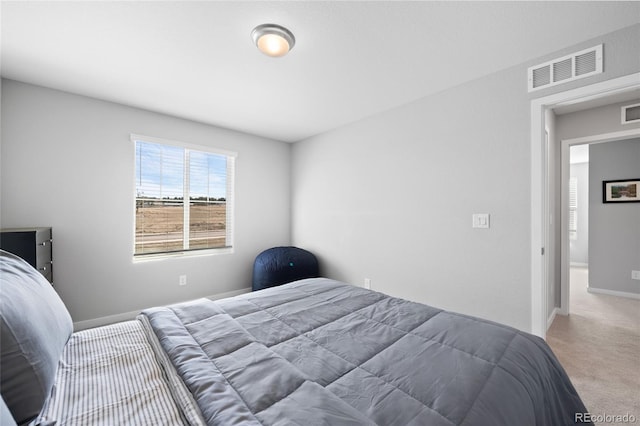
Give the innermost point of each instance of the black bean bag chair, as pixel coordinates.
(281, 265)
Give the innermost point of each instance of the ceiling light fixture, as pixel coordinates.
(273, 40)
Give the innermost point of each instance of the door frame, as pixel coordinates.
(539, 262)
(565, 156)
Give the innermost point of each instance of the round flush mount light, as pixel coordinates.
(273, 40)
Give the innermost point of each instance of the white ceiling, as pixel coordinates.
(195, 59)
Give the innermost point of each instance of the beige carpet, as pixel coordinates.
(599, 346)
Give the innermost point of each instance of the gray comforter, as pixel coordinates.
(321, 352)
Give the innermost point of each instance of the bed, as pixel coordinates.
(313, 352)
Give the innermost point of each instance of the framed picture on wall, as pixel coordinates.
(621, 191)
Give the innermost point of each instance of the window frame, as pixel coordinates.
(229, 199)
(573, 208)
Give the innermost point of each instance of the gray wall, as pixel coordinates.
(391, 197)
(614, 229)
(67, 162)
(579, 247)
(594, 121)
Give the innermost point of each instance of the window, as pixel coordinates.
(183, 197)
(573, 208)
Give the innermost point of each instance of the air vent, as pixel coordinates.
(587, 62)
(562, 70)
(542, 76)
(568, 68)
(631, 114)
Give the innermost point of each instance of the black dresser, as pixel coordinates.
(33, 245)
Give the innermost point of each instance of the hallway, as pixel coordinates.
(599, 346)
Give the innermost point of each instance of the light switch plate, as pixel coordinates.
(480, 220)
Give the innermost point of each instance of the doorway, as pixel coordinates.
(541, 312)
(565, 228)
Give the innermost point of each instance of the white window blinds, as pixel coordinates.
(573, 208)
(183, 197)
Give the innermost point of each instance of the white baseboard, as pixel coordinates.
(552, 317)
(613, 293)
(126, 316)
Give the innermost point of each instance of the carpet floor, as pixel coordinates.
(598, 344)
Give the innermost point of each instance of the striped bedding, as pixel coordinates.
(111, 376)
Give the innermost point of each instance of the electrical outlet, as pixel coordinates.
(635, 275)
(182, 280)
(367, 283)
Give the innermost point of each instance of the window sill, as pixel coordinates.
(141, 258)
